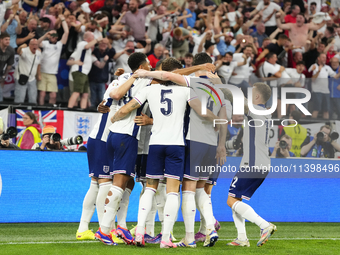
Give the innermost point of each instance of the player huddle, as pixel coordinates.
(153, 127)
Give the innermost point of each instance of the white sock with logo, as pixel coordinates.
(123, 207)
(100, 202)
(112, 203)
(209, 195)
(240, 225)
(89, 205)
(160, 198)
(170, 211)
(247, 212)
(150, 220)
(204, 205)
(145, 204)
(189, 212)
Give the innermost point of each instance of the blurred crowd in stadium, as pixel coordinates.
(282, 42)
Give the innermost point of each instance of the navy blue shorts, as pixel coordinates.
(245, 184)
(213, 178)
(141, 167)
(199, 160)
(165, 161)
(97, 158)
(122, 153)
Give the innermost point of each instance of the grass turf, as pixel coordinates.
(59, 238)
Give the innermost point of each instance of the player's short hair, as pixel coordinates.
(201, 58)
(264, 90)
(136, 59)
(158, 65)
(283, 37)
(171, 64)
(4, 35)
(296, 115)
(301, 63)
(188, 55)
(286, 136)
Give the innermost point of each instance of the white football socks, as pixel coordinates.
(240, 225)
(189, 212)
(160, 198)
(209, 195)
(89, 205)
(145, 204)
(204, 205)
(112, 203)
(123, 207)
(247, 212)
(100, 202)
(170, 211)
(150, 220)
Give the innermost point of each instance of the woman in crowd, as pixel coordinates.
(31, 134)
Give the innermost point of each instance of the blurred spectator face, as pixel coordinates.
(165, 3)
(131, 46)
(33, 45)
(273, 59)
(133, 7)
(5, 42)
(52, 10)
(228, 39)
(321, 47)
(227, 58)
(125, 7)
(73, 6)
(53, 37)
(248, 51)
(103, 44)
(32, 25)
(297, 57)
(334, 63)
(70, 19)
(322, 59)
(23, 17)
(109, 3)
(261, 28)
(300, 20)
(27, 120)
(300, 68)
(265, 43)
(158, 51)
(192, 5)
(161, 10)
(328, 34)
(188, 61)
(266, 2)
(312, 7)
(225, 23)
(44, 25)
(296, 10)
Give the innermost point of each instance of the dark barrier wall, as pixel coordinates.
(40, 186)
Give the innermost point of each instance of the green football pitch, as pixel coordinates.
(59, 238)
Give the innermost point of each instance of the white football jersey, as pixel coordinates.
(127, 124)
(256, 139)
(101, 128)
(199, 129)
(167, 105)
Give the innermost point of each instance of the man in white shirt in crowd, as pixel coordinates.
(320, 89)
(123, 56)
(271, 72)
(225, 67)
(50, 62)
(4, 6)
(268, 9)
(242, 73)
(81, 61)
(29, 65)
